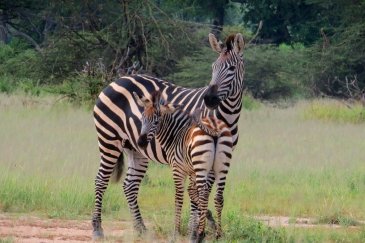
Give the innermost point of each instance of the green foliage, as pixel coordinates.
(249, 103)
(338, 62)
(19, 68)
(284, 21)
(339, 219)
(273, 72)
(6, 84)
(335, 111)
(7, 240)
(194, 70)
(80, 90)
(314, 171)
(241, 229)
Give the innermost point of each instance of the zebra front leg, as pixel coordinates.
(210, 220)
(107, 165)
(221, 168)
(218, 202)
(194, 208)
(203, 206)
(137, 167)
(194, 200)
(179, 180)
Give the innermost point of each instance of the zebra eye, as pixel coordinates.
(231, 68)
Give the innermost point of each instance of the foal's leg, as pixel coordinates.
(194, 201)
(221, 167)
(179, 180)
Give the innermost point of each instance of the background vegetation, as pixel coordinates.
(74, 48)
(285, 165)
(303, 161)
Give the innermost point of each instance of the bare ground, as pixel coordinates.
(34, 229)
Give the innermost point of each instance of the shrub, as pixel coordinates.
(80, 89)
(194, 70)
(249, 103)
(274, 72)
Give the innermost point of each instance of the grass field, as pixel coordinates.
(285, 164)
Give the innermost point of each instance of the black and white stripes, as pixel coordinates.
(118, 122)
(195, 146)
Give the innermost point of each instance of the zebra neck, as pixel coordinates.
(172, 127)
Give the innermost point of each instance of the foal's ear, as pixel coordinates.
(141, 101)
(239, 43)
(168, 108)
(196, 115)
(156, 97)
(214, 43)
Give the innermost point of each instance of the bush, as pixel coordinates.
(340, 59)
(274, 72)
(249, 103)
(195, 70)
(7, 84)
(80, 89)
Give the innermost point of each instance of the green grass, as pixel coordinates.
(282, 165)
(329, 110)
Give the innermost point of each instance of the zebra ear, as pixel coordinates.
(239, 43)
(196, 115)
(156, 98)
(214, 43)
(168, 108)
(143, 102)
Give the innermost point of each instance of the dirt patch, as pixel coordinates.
(282, 221)
(34, 229)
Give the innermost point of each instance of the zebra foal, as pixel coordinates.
(194, 146)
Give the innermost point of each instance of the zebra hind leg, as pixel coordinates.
(137, 167)
(107, 166)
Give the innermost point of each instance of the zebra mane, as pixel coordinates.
(229, 42)
(200, 121)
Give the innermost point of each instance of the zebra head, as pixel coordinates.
(153, 110)
(227, 70)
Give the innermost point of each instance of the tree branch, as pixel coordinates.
(257, 33)
(16, 32)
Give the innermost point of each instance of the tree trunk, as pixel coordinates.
(218, 22)
(4, 32)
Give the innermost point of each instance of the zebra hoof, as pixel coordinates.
(211, 221)
(218, 235)
(141, 229)
(197, 238)
(98, 234)
(201, 237)
(194, 236)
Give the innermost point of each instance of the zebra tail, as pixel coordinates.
(118, 170)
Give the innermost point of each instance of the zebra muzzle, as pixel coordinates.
(211, 98)
(142, 141)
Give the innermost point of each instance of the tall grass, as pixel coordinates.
(282, 165)
(329, 110)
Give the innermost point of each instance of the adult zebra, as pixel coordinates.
(117, 120)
